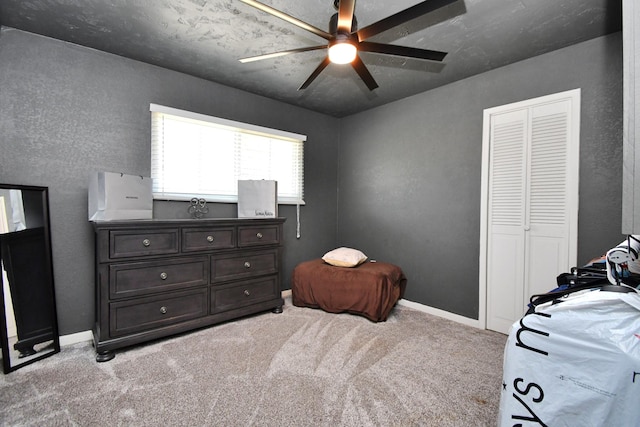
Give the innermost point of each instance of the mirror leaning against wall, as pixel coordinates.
(28, 319)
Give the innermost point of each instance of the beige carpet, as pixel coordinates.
(303, 367)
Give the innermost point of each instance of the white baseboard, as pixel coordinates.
(76, 338)
(440, 313)
(83, 336)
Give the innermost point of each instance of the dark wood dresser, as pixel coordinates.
(156, 278)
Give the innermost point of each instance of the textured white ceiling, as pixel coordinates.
(206, 38)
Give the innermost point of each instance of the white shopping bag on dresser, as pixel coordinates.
(114, 196)
(257, 198)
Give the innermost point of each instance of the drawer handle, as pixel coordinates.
(246, 292)
(163, 310)
(210, 239)
(163, 276)
(259, 235)
(146, 242)
(247, 264)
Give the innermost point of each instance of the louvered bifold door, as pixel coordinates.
(532, 205)
(506, 218)
(547, 221)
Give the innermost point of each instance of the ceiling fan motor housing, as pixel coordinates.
(333, 24)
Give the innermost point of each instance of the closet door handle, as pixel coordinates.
(527, 227)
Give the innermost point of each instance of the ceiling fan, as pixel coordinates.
(345, 40)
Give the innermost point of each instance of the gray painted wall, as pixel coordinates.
(67, 111)
(409, 172)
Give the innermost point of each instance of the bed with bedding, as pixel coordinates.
(370, 289)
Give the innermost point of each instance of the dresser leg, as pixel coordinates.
(277, 310)
(25, 351)
(105, 356)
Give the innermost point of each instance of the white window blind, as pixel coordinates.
(194, 155)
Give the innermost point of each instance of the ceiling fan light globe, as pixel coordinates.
(342, 53)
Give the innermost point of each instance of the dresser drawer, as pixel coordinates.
(203, 239)
(140, 314)
(126, 243)
(258, 235)
(141, 278)
(228, 267)
(242, 294)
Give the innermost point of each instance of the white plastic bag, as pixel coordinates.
(119, 196)
(575, 363)
(257, 198)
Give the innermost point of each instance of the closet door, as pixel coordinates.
(631, 122)
(507, 202)
(551, 196)
(532, 203)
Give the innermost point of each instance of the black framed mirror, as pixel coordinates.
(29, 323)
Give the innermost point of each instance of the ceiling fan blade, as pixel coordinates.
(409, 52)
(364, 73)
(315, 73)
(401, 17)
(288, 18)
(345, 15)
(281, 53)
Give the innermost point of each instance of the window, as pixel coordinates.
(193, 155)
